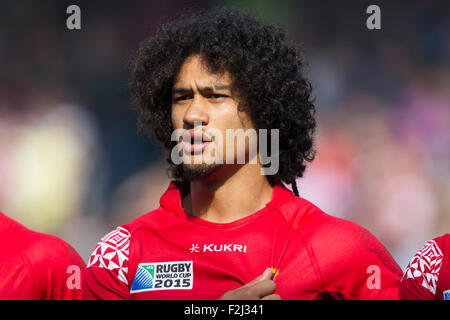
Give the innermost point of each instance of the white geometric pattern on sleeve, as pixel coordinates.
(112, 253)
(426, 265)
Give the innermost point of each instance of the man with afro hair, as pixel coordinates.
(227, 226)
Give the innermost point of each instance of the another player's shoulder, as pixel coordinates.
(425, 270)
(438, 247)
(429, 257)
(443, 242)
(51, 250)
(38, 247)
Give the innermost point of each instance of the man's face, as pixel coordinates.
(203, 105)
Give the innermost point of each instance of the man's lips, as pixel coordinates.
(195, 147)
(195, 141)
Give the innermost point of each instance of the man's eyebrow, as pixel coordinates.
(180, 91)
(222, 87)
(217, 87)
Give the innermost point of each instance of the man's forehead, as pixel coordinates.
(195, 72)
(218, 86)
(209, 80)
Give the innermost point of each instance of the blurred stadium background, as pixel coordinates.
(73, 165)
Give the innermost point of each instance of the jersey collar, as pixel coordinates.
(171, 198)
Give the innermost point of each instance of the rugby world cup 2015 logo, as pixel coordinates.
(447, 295)
(144, 278)
(163, 276)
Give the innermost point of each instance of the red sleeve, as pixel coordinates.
(106, 276)
(35, 265)
(18, 280)
(420, 281)
(58, 267)
(351, 262)
(374, 273)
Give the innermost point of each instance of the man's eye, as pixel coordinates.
(182, 98)
(216, 96)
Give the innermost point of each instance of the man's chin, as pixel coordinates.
(194, 172)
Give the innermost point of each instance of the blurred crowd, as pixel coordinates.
(72, 163)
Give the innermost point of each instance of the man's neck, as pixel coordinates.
(226, 198)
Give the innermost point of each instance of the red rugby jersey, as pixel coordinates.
(427, 276)
(35, 266)
(169, 254)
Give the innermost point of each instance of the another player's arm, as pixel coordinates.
(421, 278)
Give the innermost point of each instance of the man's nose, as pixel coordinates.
(197, 112)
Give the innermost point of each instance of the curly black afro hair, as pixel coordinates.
(266, 71)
